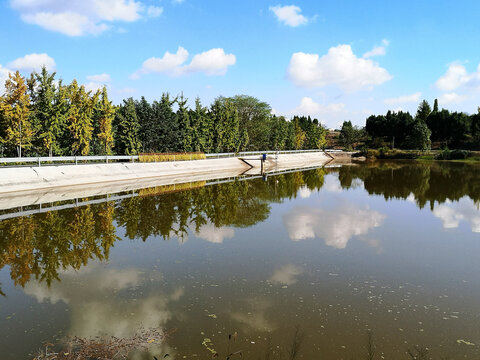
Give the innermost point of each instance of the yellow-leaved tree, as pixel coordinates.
(15, 111)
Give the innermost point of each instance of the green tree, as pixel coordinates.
(254, 116)
(184, 125)
(423, 111)
(50, 118)
(435, 106)
(126, 129)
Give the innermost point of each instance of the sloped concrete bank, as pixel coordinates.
(136, 175)
(37, 178)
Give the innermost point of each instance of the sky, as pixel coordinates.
(333, 60)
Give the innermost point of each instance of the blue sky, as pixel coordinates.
(335, 60)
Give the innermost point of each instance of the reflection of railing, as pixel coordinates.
(109, 158)
(43, 208)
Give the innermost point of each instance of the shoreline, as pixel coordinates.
(37, 184)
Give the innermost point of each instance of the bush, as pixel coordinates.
(161, 157)
(453, 154)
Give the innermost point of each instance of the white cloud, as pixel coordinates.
(452, 214)
(289, 15)
(80, 17)
(286, 275)
(338, 67)
(211, 62)
(309, 107)
(451, 98)
(455, 77)
(68, 23)
(3, 77)
(154, 11)
(93, 86)
(335, 226)
(377, 50)
(101, 78)
(178, 1)
(33, 62)
(413, 98)
(215, 234)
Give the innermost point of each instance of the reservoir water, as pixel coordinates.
(319, 264)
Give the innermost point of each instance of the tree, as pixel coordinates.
(348, 135)
(15, 111)
(435, 106)
(79, 117)
(104, 116)
(254, 116)
(423, 111)
(184, 125)
(299, 134)
(419, 137)
(49, 117)
(127, 128)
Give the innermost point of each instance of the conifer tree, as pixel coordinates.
(184, 125)
(50, 124)
(126, 129)
(435, 106)
(15, 111)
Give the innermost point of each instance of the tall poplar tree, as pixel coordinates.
(184, 125)
(79, 118)
(104, 116)
(15, 109)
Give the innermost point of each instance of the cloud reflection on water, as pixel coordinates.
(101, 304)
(336, 226)
(452, 213)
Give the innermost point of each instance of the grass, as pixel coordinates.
(162, 157)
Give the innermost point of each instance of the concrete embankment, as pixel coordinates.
(16, 179)
(23, 186)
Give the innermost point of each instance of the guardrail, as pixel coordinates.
(66, 159)
(76, 159)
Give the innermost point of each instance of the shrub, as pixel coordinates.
(161, 157)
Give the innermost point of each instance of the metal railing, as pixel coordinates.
(38, 161)
(67, 159)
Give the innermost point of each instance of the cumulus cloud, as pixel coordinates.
(309, 107)
(289, 15)
(33, 62)
(339, 67)
(457, 76)
(101, 78)
(286, 275)
(81, 17)
(3, 77)
(377, 50)
(335, 226)
(452, 98)
(452, 214)
(215, 234)
(211, 62)
(413, 98)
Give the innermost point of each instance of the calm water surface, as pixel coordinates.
(391, 248)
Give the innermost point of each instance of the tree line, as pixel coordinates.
(402, 130)
(42, 116)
